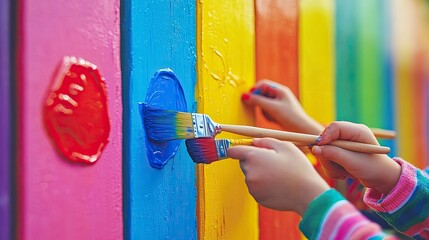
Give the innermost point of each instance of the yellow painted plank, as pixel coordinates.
(316, 60)
(316, 65)
(225, 66)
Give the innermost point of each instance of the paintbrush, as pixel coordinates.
(208, 150)
(164, 125)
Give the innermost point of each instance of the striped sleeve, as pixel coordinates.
(406, 207)
(330, 216)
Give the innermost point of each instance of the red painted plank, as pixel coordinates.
(277, 60)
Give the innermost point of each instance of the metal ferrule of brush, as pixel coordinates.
(204, 126)
(222, 146)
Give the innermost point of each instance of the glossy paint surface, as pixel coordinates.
(158, 203)
(75, 112)
(164, 92)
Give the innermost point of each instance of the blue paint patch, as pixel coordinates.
(164, 92)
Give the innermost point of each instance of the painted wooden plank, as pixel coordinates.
(346, 59)
(59, 199)
(5, 123)
(225, 50)
(388, 82)
(420, 69)
(316, 59)
(374, 98)
(404, 48)
(347, 86)
(158, 203)
(277, 59)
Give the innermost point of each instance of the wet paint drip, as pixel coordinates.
(75, 112)
(164, 92)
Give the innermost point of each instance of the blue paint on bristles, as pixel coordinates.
(164, 125)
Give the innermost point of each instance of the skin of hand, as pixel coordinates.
(278, 175)
(280, 105)
(377, 171)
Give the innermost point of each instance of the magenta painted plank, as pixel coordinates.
(5, 123)
(60, 199)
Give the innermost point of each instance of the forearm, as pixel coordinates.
(406, 207)
(330, 216)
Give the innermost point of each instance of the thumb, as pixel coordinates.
(265, 103)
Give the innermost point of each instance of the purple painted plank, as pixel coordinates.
(5, 226)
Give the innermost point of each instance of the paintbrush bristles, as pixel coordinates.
(202, 150)
(165, 125)
(208, 150)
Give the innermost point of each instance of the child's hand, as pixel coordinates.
(375, 171)
(278, 174)
(279, 104)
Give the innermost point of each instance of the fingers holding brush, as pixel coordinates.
(274, 169)
(279, 104)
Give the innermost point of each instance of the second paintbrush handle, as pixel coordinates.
(383, 133)
(301, 137)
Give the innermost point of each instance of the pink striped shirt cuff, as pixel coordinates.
(399, 194)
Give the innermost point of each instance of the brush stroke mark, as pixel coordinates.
(75, 111)
(164, 92)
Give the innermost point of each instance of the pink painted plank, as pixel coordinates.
(59, 199)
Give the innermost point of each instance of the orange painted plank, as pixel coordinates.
(409, 99)
(277, 60)
(420, 71)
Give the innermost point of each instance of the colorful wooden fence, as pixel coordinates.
(363, 61)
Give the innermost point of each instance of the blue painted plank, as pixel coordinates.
(5, 89)
(388, 82)
(158, 203)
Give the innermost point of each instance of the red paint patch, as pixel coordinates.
(75, 112)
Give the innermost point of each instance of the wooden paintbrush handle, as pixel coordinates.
(301, 137)
(383, 133)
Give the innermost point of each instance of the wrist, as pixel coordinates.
(306, 124)
(391, 177)
(310, 195)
